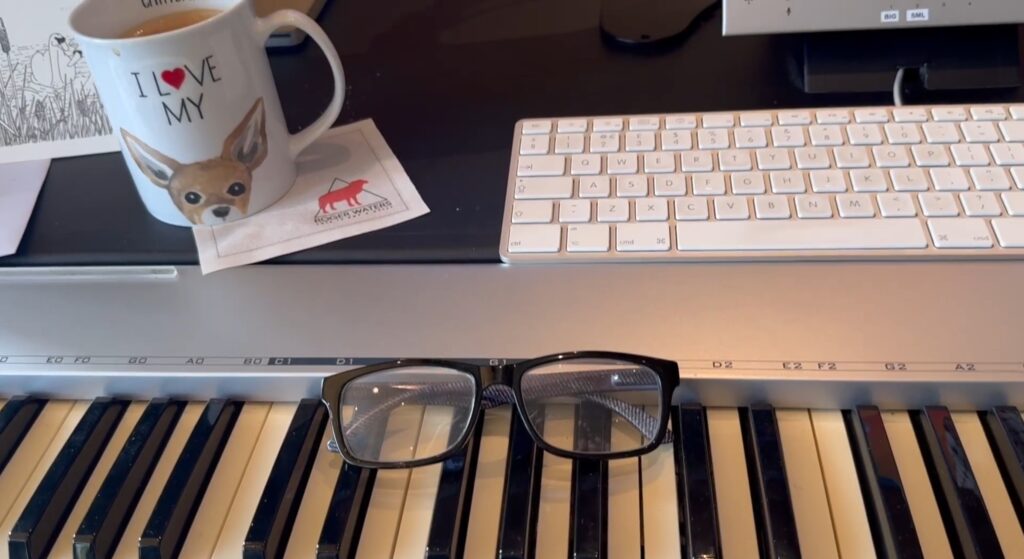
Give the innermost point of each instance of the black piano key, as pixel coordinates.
(588, 509)
(43, 518)
(168, 525)
(1005, 431)
(339, 537)
(959, 497)
(696, 488)
(773, 509)
(888, 511)
(16, 418)
(517, 529)
(447, 536)
(271, 525)
(107, 517)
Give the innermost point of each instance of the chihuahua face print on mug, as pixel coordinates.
(214, 190)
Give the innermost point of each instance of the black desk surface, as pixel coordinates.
(444, 80)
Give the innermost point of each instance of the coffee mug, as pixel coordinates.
(195, 108)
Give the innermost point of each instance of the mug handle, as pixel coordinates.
(283, 18)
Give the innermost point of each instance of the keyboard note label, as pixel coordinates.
(965, 367)
(890, 16)
(919, 14)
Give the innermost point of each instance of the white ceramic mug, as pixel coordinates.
(195, 109)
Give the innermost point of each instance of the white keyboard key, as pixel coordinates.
(1017, 112)
(734, 160)
(676, 140)
(930, 156)
(990, 178)
(747, 183)
(852, 157)
(1014, 202)
(642, 237)
(871, 116)
(959, 233)
(855, 206)
(574, 211)
(864, 134)
(970, 155)
(670, 185)
(691, 209)
(708, 184)
(696, 161)
(773, 159)
(680, 122)
(771, 207)
(979, 132)
(587, 237)
(869, 180)
(718, 121)
(660, 506)
(315, 500)
(1008, 154)
(759, 120)
(541, 166)
(631, 186)
(789, 118)
(732, 485)
(574, 125)
(612, 211)
(489, 484)
(788, 136)
(826, 136)
(537, 127)
(639, 141)
(543, 188)
(607, 125)
(751, 138)
(624, 496)
(909, 180)
(713, 139)
(1018, 176)
(827, 182)
(980, 204)
(903, 114)
(604, 142)
(532, 211)
(1012, 131)
(622, 164)
(650, 209)
(812, 158)
(949, 179)
(813, 206)
(938, 204)
(569, 143)
(585, 164)
(1009, 231)
(534, 238)
(659, 163)
(833, 116)
(806, 485)
(731, 207)
(896, 205)
(902, 133)
(891, 156)
(535, 145)
(824, 234)
(940, 132)
(988, 113)
(30, 452)
(595, 187)
(788, 182)
(949, 114)
(644, 123)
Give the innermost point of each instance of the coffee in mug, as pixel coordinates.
(168, 22)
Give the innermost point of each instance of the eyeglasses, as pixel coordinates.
(414, 412)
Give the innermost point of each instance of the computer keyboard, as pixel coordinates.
(882, 182)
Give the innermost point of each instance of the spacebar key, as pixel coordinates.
(800, 235)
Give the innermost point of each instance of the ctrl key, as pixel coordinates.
(534, 238)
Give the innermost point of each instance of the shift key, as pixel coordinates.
(541, 166)
(642, 237)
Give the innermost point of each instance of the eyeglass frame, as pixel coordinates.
(485, 376)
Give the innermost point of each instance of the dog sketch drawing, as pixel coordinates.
(214, 190)
(348, 194)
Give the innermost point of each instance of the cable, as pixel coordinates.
(897, 88)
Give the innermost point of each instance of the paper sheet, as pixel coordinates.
(19, 187)
(349, 183)
(48, 104)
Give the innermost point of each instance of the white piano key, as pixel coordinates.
(418, 512)
(624, 514)
(128, 548)
(250, 489)
(485, 510)
(849, 517)
(213, 511)
(990, 481)
(920, 496)
(35, 475)
(29, 453)
(384, 513)
(732, 485)
(556, 485)
(62, 549)
(659, 503)
(313, 508)
(806, 484)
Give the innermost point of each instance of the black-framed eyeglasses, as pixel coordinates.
(585, 404)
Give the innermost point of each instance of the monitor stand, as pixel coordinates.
(981, 57)
(647, 22)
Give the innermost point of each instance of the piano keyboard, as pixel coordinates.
(112, 478)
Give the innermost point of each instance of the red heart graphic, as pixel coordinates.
(174, 77)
